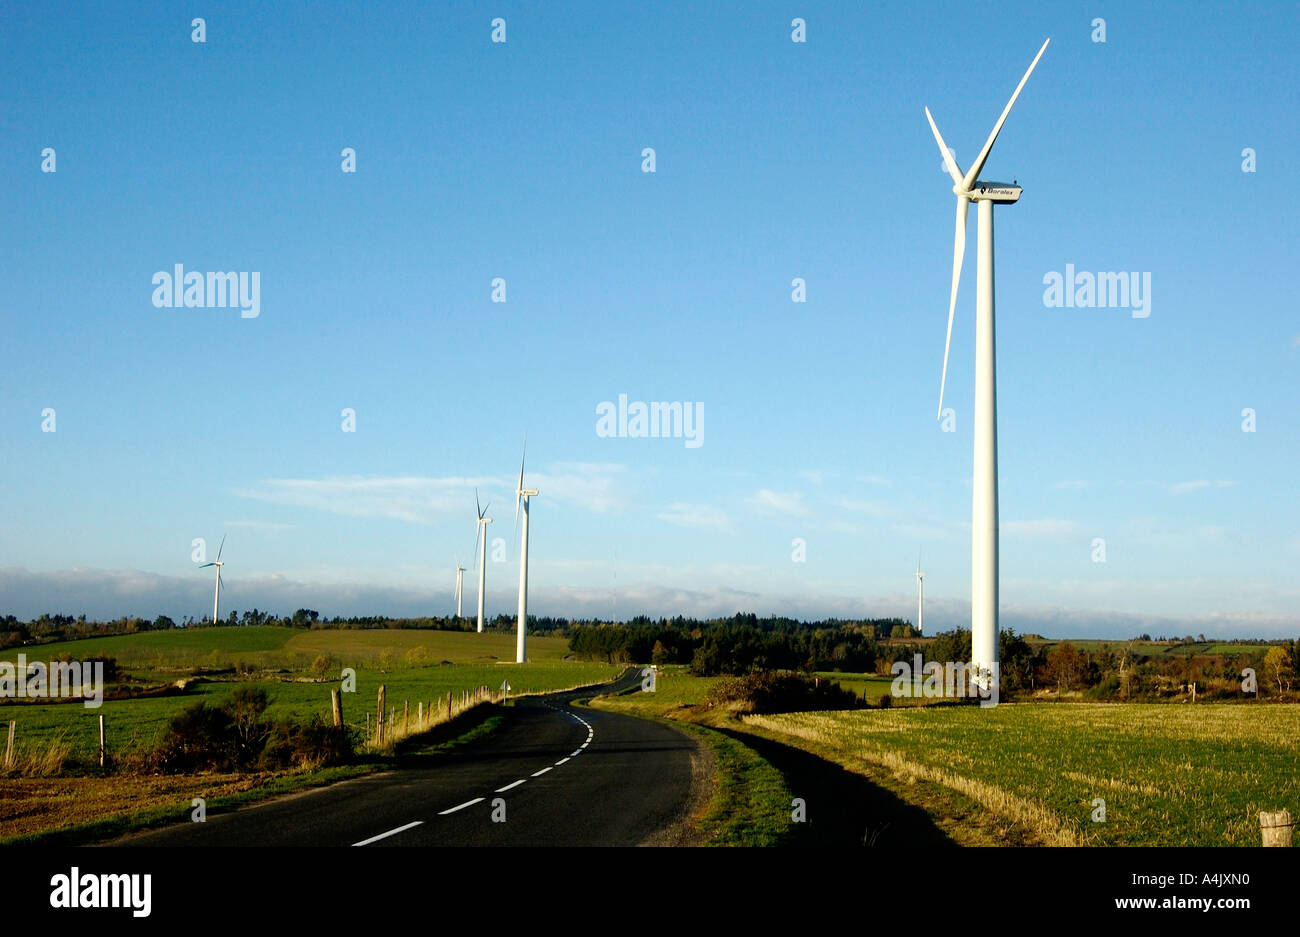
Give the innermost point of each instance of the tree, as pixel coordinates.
(1278, 670)
(1066, 665)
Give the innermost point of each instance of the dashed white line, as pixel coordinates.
(576, 753)
(468, 803)
(502, 790)
(538, 774)
(562, 761)
(375, 839)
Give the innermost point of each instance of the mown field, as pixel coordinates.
(413, 665)
(1169, 775)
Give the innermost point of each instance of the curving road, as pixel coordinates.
(559, 775)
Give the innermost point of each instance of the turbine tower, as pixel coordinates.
(984, 490)
(920, 596)
(460, 581)
(480, 549)
(216, 596)
(522, 495)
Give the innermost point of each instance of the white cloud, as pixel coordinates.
(596, 486)
(105, 594)
(420, 499)
(258, 525)
(874, 479)
(703, 516)
(1041, 527)
(1183, 488)
(783, 502)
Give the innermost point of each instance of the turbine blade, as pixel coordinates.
(222, 547)
(943, 148)
(958, 252)
(206, 565)
(477, 507)
(478, 532)
(988, 144)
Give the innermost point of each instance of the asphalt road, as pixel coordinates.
(559, 776)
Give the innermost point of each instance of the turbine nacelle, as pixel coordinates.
(1005, 192)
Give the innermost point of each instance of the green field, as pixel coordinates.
(293, 649)
(413, 665)
(1157, 649)
(1169, 775)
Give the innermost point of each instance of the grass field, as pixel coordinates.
(1156, 649)
(1169, 775)
(295, 650)
(410, 663)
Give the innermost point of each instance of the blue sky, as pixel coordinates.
(522, 160)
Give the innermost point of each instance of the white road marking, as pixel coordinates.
(468, 803)
(562, 761)
(375, 839)
(576, 753)
(502, 790)
(537, 774)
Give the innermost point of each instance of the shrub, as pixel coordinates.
(198, 737)
(768, 692)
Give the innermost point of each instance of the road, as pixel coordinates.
(552, 775)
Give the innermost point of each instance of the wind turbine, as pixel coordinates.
(216, 597)
(460, 580)
(522, 495)
(984, 489)
(920, 595)
(480, 548)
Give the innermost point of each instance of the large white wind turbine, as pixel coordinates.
(460, 581)
(480, 548)
(984, 514)
(920, 595)
(216, 596)
(522, 495)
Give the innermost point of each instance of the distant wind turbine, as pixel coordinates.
(216, 596)
(984, 513)
(480, 548)
(460, 581)
(522, 495)
(920, 595)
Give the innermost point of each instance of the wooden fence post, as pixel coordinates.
(336, 704)
(1276, 827)
(449, 704)
(406, 715)
(9, 746)
(419, 714)
(103, 747)
(379, 717)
